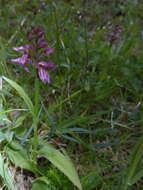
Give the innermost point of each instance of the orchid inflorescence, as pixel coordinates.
(35, 53)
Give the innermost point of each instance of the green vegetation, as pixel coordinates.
(84, 129)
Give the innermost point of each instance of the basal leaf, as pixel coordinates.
(6, 175)
(62, 162)
(18, 155)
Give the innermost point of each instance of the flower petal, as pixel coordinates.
(42, 44)
(38, 31)
(26, 68)
(48, 51)
(44, 75)
(47, 64)
(24, 48)
(22, 61)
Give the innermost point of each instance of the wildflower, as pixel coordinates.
(43, 70)
(42, 44)
(24, 60)
(33, 52)
(48, 51)
(36, 32)
(24, 48)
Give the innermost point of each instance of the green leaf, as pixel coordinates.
(2, 137)
(41, 183)
(135, 158)
(19, 156)
(137, 177)
(3, 118)
(62, 162)
(6, 174)
(89, 182)
(22, 93)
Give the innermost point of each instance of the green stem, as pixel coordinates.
(36, 116)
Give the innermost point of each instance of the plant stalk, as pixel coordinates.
(36, 116)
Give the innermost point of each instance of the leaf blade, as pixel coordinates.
(62, 162)
(21, 92)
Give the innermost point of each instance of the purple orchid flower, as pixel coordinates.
(24, 60)
(42, 44)
(37, 32)
(48, 51)
(33, 52)
(43, 70)
(44, 75)
(37, 29)
(24, 48)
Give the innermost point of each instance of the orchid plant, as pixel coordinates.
(36, 53)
